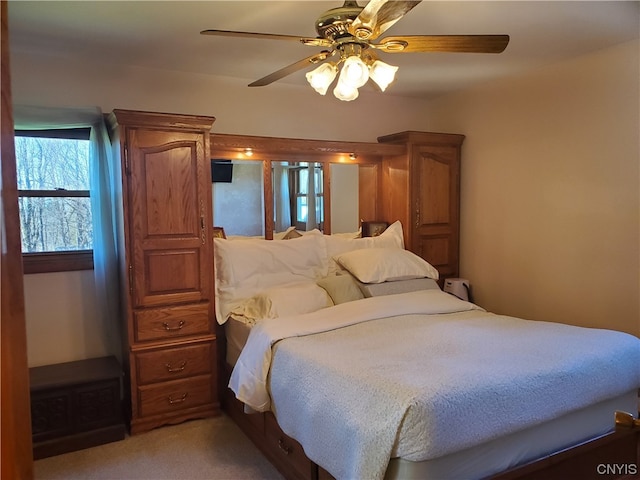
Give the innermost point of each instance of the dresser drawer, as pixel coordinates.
(175, 395)
(284, 447)
(171, 322)
(174, 363)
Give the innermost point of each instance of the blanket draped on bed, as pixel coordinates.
(410, 377)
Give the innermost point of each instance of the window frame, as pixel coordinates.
(295, 184)
(64, 261)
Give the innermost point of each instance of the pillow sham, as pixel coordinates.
(341, 288)
(392, 237)
(246, 268)
(398, 286)
(376, 265)
(281, 301)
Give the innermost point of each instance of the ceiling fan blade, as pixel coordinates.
(294, 67)
(444, 43)
(377, 16)
(316, 42)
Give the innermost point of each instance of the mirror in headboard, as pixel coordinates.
(345, 201)
(346, 182)
(298, 196)
(238, 196)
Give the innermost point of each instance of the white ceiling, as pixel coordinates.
(165, 35)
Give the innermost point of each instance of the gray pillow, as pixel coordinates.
(341, 288)
(398, 286)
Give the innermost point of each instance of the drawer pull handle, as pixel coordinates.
(173, 401)
(283, 446)
(172, 369)
(173, 329)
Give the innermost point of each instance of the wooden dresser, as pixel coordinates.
(166, 266)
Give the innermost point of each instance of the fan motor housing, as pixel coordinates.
(334, 23)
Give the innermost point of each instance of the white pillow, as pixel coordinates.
(285, 300)
(376, 265)
(392, 237)
(246, 268)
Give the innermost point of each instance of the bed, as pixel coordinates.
(368, 370)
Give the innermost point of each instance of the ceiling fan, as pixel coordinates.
(348, 33)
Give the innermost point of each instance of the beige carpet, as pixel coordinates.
(211, 449)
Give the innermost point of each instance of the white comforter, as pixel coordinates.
(411, 377)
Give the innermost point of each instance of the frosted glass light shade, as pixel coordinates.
(382, 73)
(345, 92)
(355, 72)
(320, 78)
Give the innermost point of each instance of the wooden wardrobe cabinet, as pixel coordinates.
(422, 189)
(166, 263)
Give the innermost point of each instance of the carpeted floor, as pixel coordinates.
(209, 449)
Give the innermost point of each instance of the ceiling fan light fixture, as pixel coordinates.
(345, 92)
(349, 31)
(355, 72)
(320, 78)
(382, 73)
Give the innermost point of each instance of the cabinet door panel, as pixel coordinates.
(436, 199)
(436, 249)
(168, 185)
(172, 271)
(434, 190)
(368, 186)
(170, 200)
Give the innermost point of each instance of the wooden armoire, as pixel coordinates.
(166, 263)
(421, 188)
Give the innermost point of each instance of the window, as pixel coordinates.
(300, 198)
(53, 191)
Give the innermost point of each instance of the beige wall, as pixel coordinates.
(276, 110)
(550, 190)
(60, 316)
(550, 178)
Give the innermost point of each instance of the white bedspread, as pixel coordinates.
(426, 381)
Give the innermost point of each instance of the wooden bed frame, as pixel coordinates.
(615, 455)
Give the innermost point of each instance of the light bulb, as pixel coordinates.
(382, 73)
(354, 72)
(345, 92)
(320, 78)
